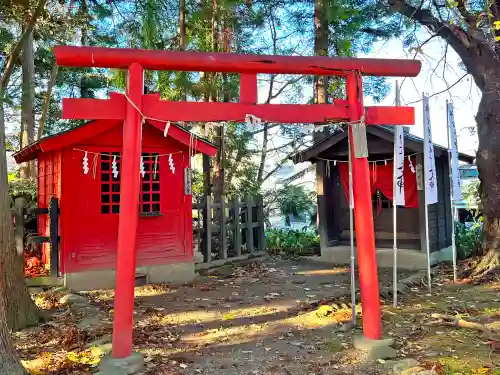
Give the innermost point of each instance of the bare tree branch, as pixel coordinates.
(440, 92)
(14, 55)
(262, 129)
(455, 36)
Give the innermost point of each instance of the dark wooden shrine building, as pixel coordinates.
(81, 168)
(330, 156)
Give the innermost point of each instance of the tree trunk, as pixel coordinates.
(320, 93)
(85, 92)
(320, 49)
(182, 43)
(9, 361)
(46, 102)
(28, 97)
(21, 310)
(488, 164)
(263, 154)
(218, 167)
(182, 25)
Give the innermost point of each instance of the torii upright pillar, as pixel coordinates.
(129, 214)
(363, 218)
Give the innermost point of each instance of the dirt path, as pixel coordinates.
(250, 321)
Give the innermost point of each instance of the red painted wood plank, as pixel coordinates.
(284, 113)
(248, 88)
(93, 109)
(231, 63)
(114, 109)
(203, 111)
(390, 115)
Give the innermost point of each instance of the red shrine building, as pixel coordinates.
(81, 167)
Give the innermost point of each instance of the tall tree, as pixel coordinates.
(85, 91)
(21, 310)
(10, 284)
(182, 42)
(472, 29)
(28, 92)
(321, 32)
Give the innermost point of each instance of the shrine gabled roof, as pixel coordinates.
(412, 142)
(73, 136)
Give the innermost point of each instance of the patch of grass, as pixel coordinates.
(451, 371)
(333, 346)
(454, 366)
(491, 311)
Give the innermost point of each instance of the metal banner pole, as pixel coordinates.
(449, 113)
(351, 226)
(394, 215)
(429, 277)
(425, 103)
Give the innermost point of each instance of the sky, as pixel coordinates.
(465, 95)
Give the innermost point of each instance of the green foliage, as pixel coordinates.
(23, 188)
(295, 201)
(470, 192)
(292, 242)
(468, 238)
(197, 185)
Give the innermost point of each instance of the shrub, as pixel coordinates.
(290, 241)
(23, 188)
(468, 238)
(296, 201)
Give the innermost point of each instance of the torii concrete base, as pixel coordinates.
(133, 364)
(375, 349)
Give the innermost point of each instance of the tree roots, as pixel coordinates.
(453, 321)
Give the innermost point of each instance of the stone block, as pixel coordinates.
(132, 364)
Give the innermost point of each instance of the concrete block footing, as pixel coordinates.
(114, 371)
(375, 349)
(130, 365)
(105, 279)
(407, 258)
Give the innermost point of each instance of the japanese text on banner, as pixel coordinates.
(455, 173)
(431, 190)
(399, 162)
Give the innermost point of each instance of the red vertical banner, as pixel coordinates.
(129, 215)
(363, 217)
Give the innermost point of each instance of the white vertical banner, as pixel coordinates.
(455, 173)
(399, 163)
(430, 178)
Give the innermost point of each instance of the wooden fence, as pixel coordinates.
(231, 228)
(20, 211)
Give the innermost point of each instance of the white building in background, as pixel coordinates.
(280, 178)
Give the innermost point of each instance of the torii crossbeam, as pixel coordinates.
(135, 106)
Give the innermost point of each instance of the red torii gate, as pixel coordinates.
(133, 106)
